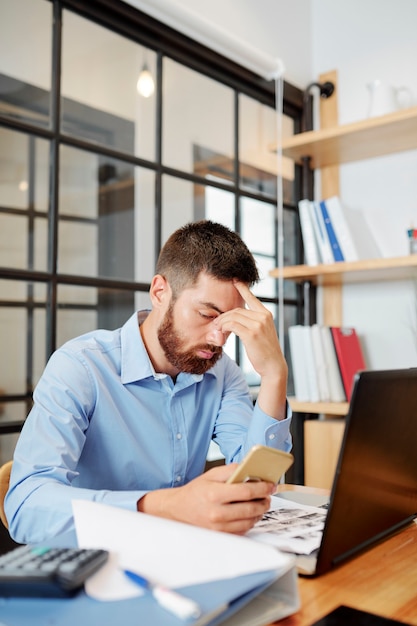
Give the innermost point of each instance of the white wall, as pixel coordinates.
(265, 25)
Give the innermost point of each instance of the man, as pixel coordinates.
(126, 417)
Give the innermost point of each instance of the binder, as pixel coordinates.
(349, 355)
(310, 364)
(305, 374)
(320, 363)
(319, 226)
(341, 228)
(311, 251)
(277, 601)
(337, 393)
(264, 601)
(333, 240)
(299, 369)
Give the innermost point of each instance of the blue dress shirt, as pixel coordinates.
(106, 427)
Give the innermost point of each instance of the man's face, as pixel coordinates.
(187, 335)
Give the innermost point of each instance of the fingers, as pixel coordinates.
(221, 473)
(251, 300)
(246, 322)
(240, 321)
(235, 492)
(234, 508)
(239, 517)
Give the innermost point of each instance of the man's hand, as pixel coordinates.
(209, 502)
(255, 327)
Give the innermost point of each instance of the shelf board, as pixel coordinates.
(329, 408)
(395, 268)
(366, 139)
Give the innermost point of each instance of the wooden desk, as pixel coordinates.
(382, 580)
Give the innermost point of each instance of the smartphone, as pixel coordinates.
(262, 463)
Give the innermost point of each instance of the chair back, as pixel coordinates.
(4, 486)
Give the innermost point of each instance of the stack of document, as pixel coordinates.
(291, 526)
(324, 361)
(331, 233)
(229, 576)
(324, 229)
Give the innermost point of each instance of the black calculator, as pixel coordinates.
(47, 572)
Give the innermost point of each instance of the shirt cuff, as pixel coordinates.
(275, 433)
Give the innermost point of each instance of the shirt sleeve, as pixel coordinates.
(241, 423)
(38, 504)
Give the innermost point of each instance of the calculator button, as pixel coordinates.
(47, 572)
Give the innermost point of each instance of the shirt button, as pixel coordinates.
(178, 479)
(272, 436)
(179, 436)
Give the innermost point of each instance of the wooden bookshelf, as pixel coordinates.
(327, 148)
(327, 408)
(370, 270)
(366, 139)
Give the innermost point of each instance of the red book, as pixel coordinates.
(349, 355)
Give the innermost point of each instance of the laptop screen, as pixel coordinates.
(375, 486)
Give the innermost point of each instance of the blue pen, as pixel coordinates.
(179, 605)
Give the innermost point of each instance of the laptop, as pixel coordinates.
(374, 491)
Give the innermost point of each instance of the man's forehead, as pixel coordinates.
(219, 295)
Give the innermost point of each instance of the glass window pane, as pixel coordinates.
(104, 202)
(23, 242)
(258, 232)
(22, 334)
(267, 286)
(24, 166)
(100, 101)
(40, 356)
(220, 206)
(205, 108)
(252, 377)
(18, 292)
(258, 225)
(25, 60)
(13, 337)
(290, 250)
(77, 311)
(290, 319)
(182, 202)
(230, 347)
(258, 126)
(16, 412)
(82, 309)
(78, 248)
(13, 241)
(145, 225)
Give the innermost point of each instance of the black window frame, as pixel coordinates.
(133, 24)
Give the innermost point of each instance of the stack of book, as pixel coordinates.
(326, 234)
(324, 361)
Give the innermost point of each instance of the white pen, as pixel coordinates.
(179, 605)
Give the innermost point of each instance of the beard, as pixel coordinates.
(184, 360)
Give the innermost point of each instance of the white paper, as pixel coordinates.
(167, 552)
(291, 526)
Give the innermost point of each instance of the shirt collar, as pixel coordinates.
(135, 362)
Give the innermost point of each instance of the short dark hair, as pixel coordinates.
(205, 246)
